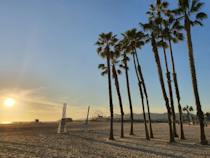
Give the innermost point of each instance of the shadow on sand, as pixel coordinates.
(138, 149)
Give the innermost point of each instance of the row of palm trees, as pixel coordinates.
(164, 28)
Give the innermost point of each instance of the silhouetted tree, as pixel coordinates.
(153, 28)
(172, 33)
(106, 43)
(115, 73)
(134, 41)
(189, 11)
(122, 47)
(163, 7)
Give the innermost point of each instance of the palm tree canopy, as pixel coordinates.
(191, 9)
(103, 68)
(122, 50)
(133, 39)
(172, 28)
(106, 48)
(163, 23)
(185, 108)
(191, 108)
(155, 20)
(188, 108)
(106, 43)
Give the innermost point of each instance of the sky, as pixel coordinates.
(48, 57)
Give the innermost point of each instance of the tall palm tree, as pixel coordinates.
(115, 73)
(162, 7)
(172, 33)
(124, 65)
(146, 94)
(189, 10)
(106, 43)
(134, 41)
(153, 27)
(168, 76)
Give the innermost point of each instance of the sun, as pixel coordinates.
(9, 102)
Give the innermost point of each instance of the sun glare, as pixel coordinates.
(9, 102)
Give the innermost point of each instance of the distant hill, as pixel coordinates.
(157, 117)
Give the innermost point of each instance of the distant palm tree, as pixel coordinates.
(134, 41)
(153, 28)
(106, 43)
(189, 10)
(124, 65)
(189, 109)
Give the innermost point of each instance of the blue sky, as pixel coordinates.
(48, 57)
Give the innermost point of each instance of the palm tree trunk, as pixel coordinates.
(111, 135)
(129, 97)
(177, 92)
(194, 81)
(119, 98)
(146, 96)
(160, 73)
(142, 99)
(168, 76)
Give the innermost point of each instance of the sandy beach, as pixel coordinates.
(41, 141)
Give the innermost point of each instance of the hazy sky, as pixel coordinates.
(48, 56)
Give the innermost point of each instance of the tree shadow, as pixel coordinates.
(138, 149)
(171, 146)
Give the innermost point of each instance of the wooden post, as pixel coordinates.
(62, 122)
(64, 110)
(87, 115)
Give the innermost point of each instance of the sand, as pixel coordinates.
(41, 141)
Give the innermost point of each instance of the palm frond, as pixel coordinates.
(104, 72)
(196, 22)
(196, 6)
(201, 16)
(102, 66)
(119, 72)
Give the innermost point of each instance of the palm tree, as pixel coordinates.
(146, 94)
(168, 76)
(172, 33)
(134, 41)
(105, 43)
(115, 73)
(153, 27)
(188, 109)
(162, 7)
(124, 65)
(189, 10)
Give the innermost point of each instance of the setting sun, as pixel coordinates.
(9, 102)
